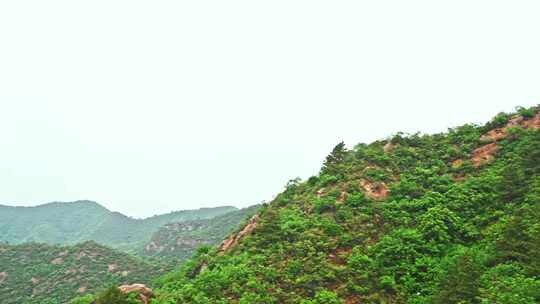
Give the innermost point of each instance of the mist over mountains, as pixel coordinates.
(74, 222)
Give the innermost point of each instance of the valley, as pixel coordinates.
(440, 218)
(53, 252)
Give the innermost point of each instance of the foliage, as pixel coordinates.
(113, 295)
(87, 299)
(449, 232)
(507, 284)
(71, 223)
(178, 241)
(334, 159)
(39, 273)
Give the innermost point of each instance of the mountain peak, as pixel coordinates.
(454, 226)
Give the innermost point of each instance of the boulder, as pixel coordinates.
(144, 292)
(3, 276)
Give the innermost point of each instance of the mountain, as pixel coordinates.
(48, 274)
(444, 218)
(75, 222)
(181, 239)
(54, 274)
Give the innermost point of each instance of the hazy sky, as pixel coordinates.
(153, 106)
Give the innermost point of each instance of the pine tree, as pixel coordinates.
(462, 281)
(336, 157)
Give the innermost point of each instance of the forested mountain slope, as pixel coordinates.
(180, 240)
(74, 222)
(444, 218)
(45, 274)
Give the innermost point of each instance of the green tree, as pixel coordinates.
(324, 297)
(112, 295)
(520, 238)
(88, 299)
(461, 283)
(334, 159)
(507, 284)
(440, 225)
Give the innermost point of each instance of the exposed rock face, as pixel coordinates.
(3, 276)
(233, 239)
(144, 292)
(494, 135)
(72, 270)
(342, 197)
(516, 121)
(320, 192)
(153, 247)
(34, 280)
(111, 267)
(457, 163)
(375, 190)
(188, 242)
(501, 133)
(484, 154)
(389, 147)
(81, 255)
(57, 261)
(140, 288)
(174, 239)
(533, 123)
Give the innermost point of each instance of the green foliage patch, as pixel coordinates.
(448, 232)
(39, 273)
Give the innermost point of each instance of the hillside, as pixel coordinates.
(443, 218)
(75, 222)
(180, 240)
(45, 274)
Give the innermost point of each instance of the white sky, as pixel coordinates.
(153, 106)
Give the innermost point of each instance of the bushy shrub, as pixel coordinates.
(112, 295)
(88, 299)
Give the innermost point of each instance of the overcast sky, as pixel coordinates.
(153, 106)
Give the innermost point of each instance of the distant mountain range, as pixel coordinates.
(75, 222)
(50, 253)
(446, 218)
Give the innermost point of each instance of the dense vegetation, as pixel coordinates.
(40, 273)
(444, 218)
(75, 222)
(180, 240)
(46, 274)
